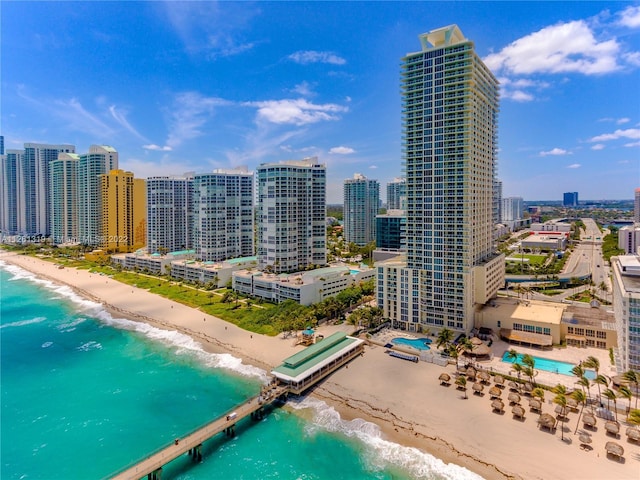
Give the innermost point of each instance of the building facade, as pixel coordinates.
(397, 194)
(450, 108)
(570, 199)
(629, 239)
(391, 230)
(512, 208)
(170, 213)
(123, 200)
(361, 205)
(64, 198)
(625, 271)
(99, 160)
(223, 215)
(12, 210)
(291, 215)
(636, 206)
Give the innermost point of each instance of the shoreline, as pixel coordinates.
(405, 401)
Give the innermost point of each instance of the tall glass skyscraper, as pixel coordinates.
(64, 198)
(361, 205)
(449, 115)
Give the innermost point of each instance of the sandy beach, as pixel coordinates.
(405, 399)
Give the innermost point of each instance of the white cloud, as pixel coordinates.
(341, 150)
(311, 56)
(632, 58)
(620, 121)
(566, 47)
(121, 118)
(155, 147)
(632, 133)
(189, 114)
(296, 112)
(632, 144)
(555, 151)
(518, 95)
(598, 146)
(574, 165)
(373, 167)
(630, 17)
(304, 89)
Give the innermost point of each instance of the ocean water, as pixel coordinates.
(85, 394)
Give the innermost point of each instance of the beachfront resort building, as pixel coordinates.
(169, 213)
(361, 205)
(305, 288)
(123, 203)
(449, 115)
(291, 215)
(99, 160)
(11, 193)
(626, 305)
(397, 194)
(223, 214)
(64, 198)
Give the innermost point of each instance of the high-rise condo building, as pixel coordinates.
(291, 215)
(101, 159)
(497, 201)
(170, 213)
(64, 198)
(12, 211)
(391, 231)
(570, 199)
(361, 205)
(123, 201)
(223, 214)
(636, 206)
(397, 194)
(36, 178)
(625, 271)
(449, 114)
(512, 208)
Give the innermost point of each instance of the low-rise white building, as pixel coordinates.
(154, 263)
(216, 273)
(545, 241)
(305, 288)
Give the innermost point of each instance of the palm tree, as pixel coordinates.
(561, 399)
(453, 353)
(592, 362)
(538, 393)
(633, 377)
(529, 366)
(611, 395)
(461, 381)
(518, 369)
(560, 389)
(625, 392)
(465, 345)
(581, 398)
(634, 417)
(512, 355)
(444, 337)
(586, 386)
(601, 380)
(578, 371)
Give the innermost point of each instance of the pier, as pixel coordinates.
(296, 374)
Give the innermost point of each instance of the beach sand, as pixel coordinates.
(405, 399)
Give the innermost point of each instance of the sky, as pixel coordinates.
(181, 87)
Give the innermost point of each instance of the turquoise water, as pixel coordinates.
(549, 365)
(85, 394)
(418, 343)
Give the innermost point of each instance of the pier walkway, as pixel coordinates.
(192, 443)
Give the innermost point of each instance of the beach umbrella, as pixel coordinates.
(585, 439)
(572, 403)
(497, 405)
(498, 380)
(633, 434)
(480, 351)
(589, 420)
(495, 391)
(514, 398)
(476, 341)
(528, 388)
(478, 387)
(612, 427)
(560, 410)
(546, 420)
(518, 411)
(514, 386)
(484, 376)
(444, 378)
(535, 404)
(614, 449)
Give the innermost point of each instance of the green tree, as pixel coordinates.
(610, 395)
(601, 380)
(586, 386)
(561, 399)
(581, 398)
(444, 338)
(633, 378)
(625, 392)
(634, 417)
(461, 381)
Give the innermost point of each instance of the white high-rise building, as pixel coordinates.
(629, 239)
(450, 110)
(223, 214)
(397, 194)
(101, 159)
(291, 215)
(512, 208)
(64, 198)
(361, 205)
(636, 206)
(625, 271)
(12, 212)
(36, 178)
(170, 213)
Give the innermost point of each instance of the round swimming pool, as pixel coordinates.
(417, 343)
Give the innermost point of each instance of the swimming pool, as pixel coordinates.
(548, 365)
(417, 343)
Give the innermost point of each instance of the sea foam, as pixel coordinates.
(379, 452)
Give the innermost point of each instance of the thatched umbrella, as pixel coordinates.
(572, 403)
(528, 388)
(479, 351)
(444, 379)
(497, 405)
(614, 448)
(561, 411)
(514, 398)
(612, 428)
(633, 434)
(518, 411)
(476, 341)
(589, 420)
(498, 380)
(514, 386)
(495, 392)
(535, 404)
(471, 373)
(478, 387)
(547, 420)
(484, 376)
(585, 439)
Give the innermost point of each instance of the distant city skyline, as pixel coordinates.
(176, 87)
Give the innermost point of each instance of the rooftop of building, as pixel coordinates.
(628, 267)
(509, 308)
(590, 316)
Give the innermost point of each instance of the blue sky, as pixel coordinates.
(194, 86)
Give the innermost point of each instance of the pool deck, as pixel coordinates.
(573, 355)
